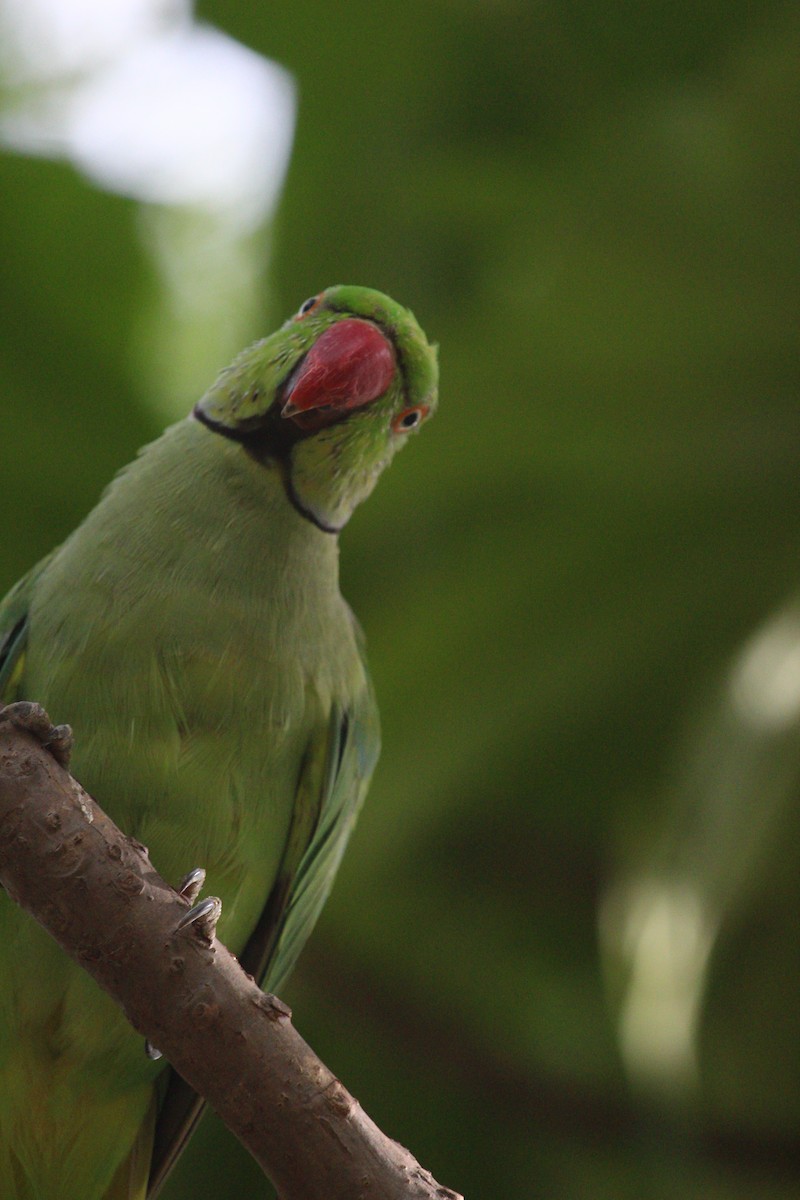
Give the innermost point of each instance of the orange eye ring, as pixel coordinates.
(410, 418)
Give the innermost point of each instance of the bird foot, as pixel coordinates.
(203, 917)
(32, 718)
(191, 885)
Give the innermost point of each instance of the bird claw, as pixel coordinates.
(203, 916)
(191, 885)
(32, 718)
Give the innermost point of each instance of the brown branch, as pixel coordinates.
(65, 862)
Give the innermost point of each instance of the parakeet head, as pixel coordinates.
(329, 398)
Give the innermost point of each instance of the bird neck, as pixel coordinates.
(205, 505)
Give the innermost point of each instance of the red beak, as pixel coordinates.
(351, 364)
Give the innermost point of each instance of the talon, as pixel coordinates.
(31, 717)
(191, 885)
(60, 743)
(203, 916)
(152, 1052)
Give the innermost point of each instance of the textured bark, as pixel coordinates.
(94, 889)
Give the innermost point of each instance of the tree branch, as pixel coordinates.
(94, 889)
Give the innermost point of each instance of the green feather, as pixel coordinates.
(192, 632)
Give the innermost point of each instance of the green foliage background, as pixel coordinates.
(593, 208)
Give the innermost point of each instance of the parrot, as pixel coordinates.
(192, 633)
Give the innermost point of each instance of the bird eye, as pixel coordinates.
(308, 305)
(409, 418)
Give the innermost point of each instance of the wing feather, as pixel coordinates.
(332, 782)
(14, 611)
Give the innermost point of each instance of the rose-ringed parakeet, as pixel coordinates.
(193, 634)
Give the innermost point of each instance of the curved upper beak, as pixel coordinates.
(349, 365)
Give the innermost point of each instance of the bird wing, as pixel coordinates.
(14, 634)
(333, 780)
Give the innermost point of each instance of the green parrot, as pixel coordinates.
(193, 634)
